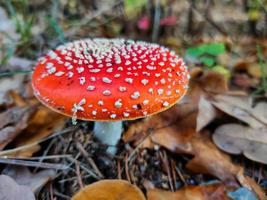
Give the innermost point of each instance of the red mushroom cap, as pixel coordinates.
(110, 79)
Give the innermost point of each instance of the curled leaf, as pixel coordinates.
(237, 139)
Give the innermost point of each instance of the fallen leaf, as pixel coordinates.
(10, 190)
(205, 192)
(206, 113)
(43, 123)
(35, 181)
(111, 190)
(12, 122)
(17, 63)
(208, 159)
(239, 107)
(12, 83)
(180, 136)
(238, 139)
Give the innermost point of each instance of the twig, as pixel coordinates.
(89, 159)
(165, 161)
(119, 169)
(38, 157)
(139, 146)
(127, 169)
(62, 195)
(78, 173)
(32, 164)
(51, 191)
(181, 175)
(173, 173)
(28, 146)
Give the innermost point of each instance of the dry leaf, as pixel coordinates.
(181, 137)
(23, 176)
(12, 122)
(43, 123)
(10, 190)
(206, 113)
(210, 160)
(239, 107)
(110, 190)
(237, 139)
(12, 83)
(215, 191)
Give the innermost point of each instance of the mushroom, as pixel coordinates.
(110, 190)
(108, 81)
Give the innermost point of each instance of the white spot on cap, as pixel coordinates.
(82, 80)
(106, 80)
(70, 74)
(118, 103)
(145, 102)
(166, 104)
(100, 102)
(80, 69)
(122, 89)
(94, 112)
(144, 81)
(109, 70)
(129, 80)
(127, 62)
(113, 116)
(91, 87)
(60, 73)
(125, 114)
(162, 81)
(160, 91)
(135, 95)
(106, 92)
(94, 70)
(92, 78)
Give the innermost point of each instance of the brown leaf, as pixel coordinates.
(111, 190)
(12, 122)
(43, 123)
(23, 176)
(215, 191)
(237, 139)
(10, 190)
(181, 137)
(210, 160)
(206, 113)
(239, 107)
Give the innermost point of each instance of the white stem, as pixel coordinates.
(109, 133)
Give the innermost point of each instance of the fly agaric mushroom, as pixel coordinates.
(110, 190)
(110, 80)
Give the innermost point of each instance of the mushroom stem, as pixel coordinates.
(109, 133)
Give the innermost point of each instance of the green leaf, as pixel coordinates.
(196, 51)
(133, 7)
(222, 70)
(215, 49)
(207, 61)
